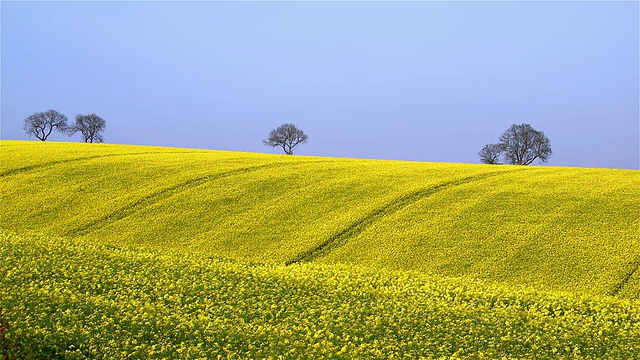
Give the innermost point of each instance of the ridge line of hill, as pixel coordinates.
(393, 206)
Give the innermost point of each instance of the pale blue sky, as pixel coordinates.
(427, 81)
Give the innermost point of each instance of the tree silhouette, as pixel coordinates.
(287, 136)
(90, 126)
(42, 124)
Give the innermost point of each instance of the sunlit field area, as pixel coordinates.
(113, 251)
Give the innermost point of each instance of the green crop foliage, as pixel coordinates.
(115, 251)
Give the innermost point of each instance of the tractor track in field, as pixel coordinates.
(635, 266)
(165, 193)
(53, 163)
(393, 206)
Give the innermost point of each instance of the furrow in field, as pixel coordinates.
(635, 266)
(53, 163)
(360, 225)
(163, 194)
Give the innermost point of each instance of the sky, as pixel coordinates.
(421, 81)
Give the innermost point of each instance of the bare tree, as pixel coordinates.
(490, 154)
(522, 145)
(42, 124)
(90, 126)
(287, 136)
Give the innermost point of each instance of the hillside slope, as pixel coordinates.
(74, 298)
(557, 228)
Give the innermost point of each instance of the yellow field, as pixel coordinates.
(546, 229)
(558, 228)
(74, 298)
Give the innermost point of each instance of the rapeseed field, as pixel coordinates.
(78, 299)
(184, 253)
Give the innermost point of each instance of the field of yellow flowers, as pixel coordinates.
(194, 253)
(75, 298)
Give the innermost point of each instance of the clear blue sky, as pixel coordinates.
(427, 81)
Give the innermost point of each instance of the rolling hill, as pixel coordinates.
(556, 249)
(559, 228)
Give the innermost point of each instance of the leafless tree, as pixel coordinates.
(90, 126)
(490, 154)
(522, 145)
(287, 136)
(42, 124)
